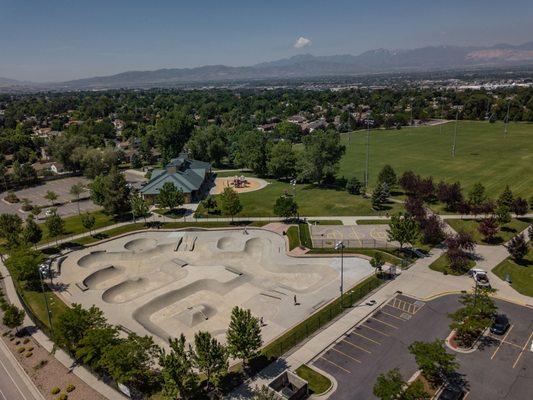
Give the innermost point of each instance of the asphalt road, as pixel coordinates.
(501, 369)
(13, 382)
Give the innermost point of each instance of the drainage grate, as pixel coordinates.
(405, 316)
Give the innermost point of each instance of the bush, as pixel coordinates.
(11, 197)
(21, 349)
(63, 396)
(70, 387)
(28, 355)
(26, 341)
(40, 364)
(55, 390)
(29, 348)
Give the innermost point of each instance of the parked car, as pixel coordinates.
(452, 392)
(480, 277)
(500, 324)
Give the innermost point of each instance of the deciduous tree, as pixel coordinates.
(285, 207)
(170, 196)
(13, 317)
(402, 229)
(209, 357)
(433, 360)
(179, 379)
(243, 335)
(229, 202)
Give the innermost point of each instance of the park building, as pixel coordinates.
(191, 176)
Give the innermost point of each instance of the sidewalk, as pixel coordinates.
(86, 376)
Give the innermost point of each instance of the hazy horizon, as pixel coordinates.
(64, 40)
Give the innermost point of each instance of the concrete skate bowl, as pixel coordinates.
(93, 258)
(126, 290)
(143, 315)
(196, 314)
(141, 244)
(100, 279)
(256, 246)
(229, 243)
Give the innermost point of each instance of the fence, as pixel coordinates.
(353, 243)
(322, 317)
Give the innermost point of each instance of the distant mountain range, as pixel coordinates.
(431, 58)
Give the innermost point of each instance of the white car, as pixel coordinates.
(480, 277)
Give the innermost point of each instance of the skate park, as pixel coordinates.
(165, 283)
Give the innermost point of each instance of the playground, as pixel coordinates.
(165, 283)
(241, 184)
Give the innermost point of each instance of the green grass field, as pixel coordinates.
(521, 273)
(312, 201)
(318, 383)
(442, 264)
(483, 154)
(506, 232)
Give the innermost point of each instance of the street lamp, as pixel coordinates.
(340, 246)
(48, 312)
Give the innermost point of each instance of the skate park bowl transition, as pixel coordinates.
(165, 283)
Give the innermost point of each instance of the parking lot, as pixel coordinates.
(502, 368)
(61, 187)
(351, 235)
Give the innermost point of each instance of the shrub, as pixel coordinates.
(28, 355)
(21, 349)
(40, 364)
(70, 387)
(17, 342)
(63, 396)
(11, 197)
(29, 348)
(26, 341)
(55, 390)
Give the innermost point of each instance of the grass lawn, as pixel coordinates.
(506, 232)
(326, 222)
(521, 273)
(442, 264)
(372, 222)
(318, 383)
(294, 239)
(35, 300)
(387, 257)
(483, 154)
(312, 201)
(73, 225)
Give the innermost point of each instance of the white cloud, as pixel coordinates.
(302, 42)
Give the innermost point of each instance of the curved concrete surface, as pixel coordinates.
(125, 291)
(144, 313)
(99, 278)
(166, 283)
(228, 243)
(140, 244)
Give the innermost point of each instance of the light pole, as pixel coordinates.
(455, 134)
(48, 312)
(340, 246)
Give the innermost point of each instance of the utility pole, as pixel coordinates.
(455, 134)
(367, 151)
(506, 119)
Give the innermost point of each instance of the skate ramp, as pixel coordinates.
(195, 315)
(144, 313)
(140, 244)
(255, 246)
(100, 278)
(229, 243)
(126, 290)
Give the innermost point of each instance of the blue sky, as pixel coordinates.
(53, 40)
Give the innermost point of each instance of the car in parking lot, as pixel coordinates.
(500, 324)
(480, 277)
(452, 392)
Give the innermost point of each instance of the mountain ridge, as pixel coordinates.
(306, 65)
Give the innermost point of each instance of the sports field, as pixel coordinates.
(483, 154)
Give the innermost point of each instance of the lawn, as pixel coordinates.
(442, 264)
(521, 273)
(483, 154)
(312, 201)
(326, 222)
(73, 225)
(318, 383)
(373, 222)
(506, 232)
(35, 300)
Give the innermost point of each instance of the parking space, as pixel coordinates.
(501, 368)
(351, 235)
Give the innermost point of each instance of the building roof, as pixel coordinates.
(188, 176)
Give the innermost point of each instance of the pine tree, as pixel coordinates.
(517, 247)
